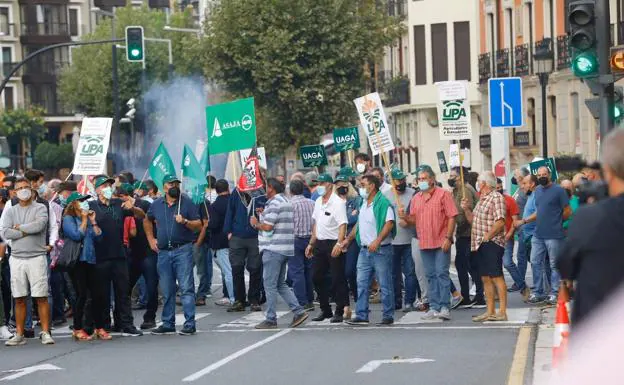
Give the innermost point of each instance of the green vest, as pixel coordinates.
(380, 209)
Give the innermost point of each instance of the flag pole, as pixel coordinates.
(56, 192)
(144, 175)
(180, 196)
(461, 174)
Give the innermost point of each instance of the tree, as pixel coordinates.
(53, 157)
(87, 85)
(303, 61)
(22, 124)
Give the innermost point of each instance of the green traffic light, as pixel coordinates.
(135, 52)
(585, 64)
(618, 112)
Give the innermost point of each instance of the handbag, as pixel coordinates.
(69, 254)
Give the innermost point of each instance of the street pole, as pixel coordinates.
(543, 79)
(115, 128)
(603, 47)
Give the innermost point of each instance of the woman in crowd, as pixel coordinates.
(79, 225)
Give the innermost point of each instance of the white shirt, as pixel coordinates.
(368, 225)
(329, 217)
(385, 188)
(52, 225)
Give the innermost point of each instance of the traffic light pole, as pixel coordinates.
(115, 127)
(603, 47)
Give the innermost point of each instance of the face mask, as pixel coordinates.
(363, 193)
(24, 194)
(529, 192)
(107, 192)
(42, 189)
(342, 190)
(84, 206)
(514, 180)
(63, 201)
(401, 187)
(543, 181)
(174, 192)
(361, 167)
(321, 190)
(451, 183)
(499, 191)
(423, 186)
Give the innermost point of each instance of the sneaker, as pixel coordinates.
(46, 338)
(358, 322)
(444, 314)
(102, 334)
(526, 293)
(187, 331)
(424, 307)
(430, 315)
(29, 333)
(5, 333)
(479, 303)
(466, 304)
(473, 290)
(265, 325)
(535, 300)
(255, 307)
(385, 322)
(408, 308)
(131, 331)
(456, 301)
(236, 307)
(336, 319)
(163, 330)
(223, 302)
(514, 288)
(308, 307)
(322, 317)
(552, 299)
(146, 325)
(16, 340)
(299, 319)
(201, 301)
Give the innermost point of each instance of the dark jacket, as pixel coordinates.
(237, 215)
(217, 211)
(139, 247)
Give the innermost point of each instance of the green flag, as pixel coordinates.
(204, 162)
(161, 165)
(196, 177)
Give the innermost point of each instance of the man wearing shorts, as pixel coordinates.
(25, 225)
(487, 242)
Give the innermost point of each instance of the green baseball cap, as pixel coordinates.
(76, 196)
(171, 179)
(325, 178)
(341, 178)
(348, 171)
(398, 174)
(424, 168)
(127, 188)
(102, 180)
(138, 185)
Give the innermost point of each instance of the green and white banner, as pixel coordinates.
(231, 126)
(93, 146)
(313, 156)
(346, 139)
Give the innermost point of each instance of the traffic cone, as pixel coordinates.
(562, 328)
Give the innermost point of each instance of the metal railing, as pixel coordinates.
(45, 29)
(563, 52)
(396, 90)
(485, 67)
(44, 67)
(7, 29)
(522, 64)
(7, 67)
(502, 62)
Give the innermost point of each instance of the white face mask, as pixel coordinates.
(24, 194)
(321, 190)
(84, 206)
(107, 192)
(361, 167)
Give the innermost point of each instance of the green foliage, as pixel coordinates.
(303, 61)
(21, 123)
(87, 85)
(49, 156)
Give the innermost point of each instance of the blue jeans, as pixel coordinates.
(522, 255)
(351, 258)
(142, 291)
(379, 263)
(436, 264)
(177, 264)
(203, 261)
(300, 272)
(274, 277)
(403, 265)
(539, 249)
(222, 259)
(511, 267)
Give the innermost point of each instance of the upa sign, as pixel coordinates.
(92, 146)
(231, 126)
(346, 139)
(453, 111)
(373, 119)
(313, 156)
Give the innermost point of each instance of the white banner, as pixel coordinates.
(92, 146)
(452, 90)
(373, 119)
(244, 155)
(454, 120)
(454, 156)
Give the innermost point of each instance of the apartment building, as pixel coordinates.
(510, 33)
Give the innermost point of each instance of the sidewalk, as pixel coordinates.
(544, 348)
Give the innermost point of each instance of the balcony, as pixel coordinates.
(7, 30)
(45, 33)
(502, 63)
(7, 67)
(42, 71)
(543, 45)
(522, 63)
(485, 67)
(396, 90)
(563, 52)
(397, 8)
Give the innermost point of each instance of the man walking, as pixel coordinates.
(277, 246)
(177, 220)
(300, 267)
(219, 240)
(25, 225)
(433, 212)
(374, 233)
(488, 244)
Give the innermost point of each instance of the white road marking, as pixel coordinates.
(372, 365)
(514, 316)
(414, 317)
(180, 319)
(250, 320)
(211, 368)
(27, 370)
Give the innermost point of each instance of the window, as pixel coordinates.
(4, 21)
(532, 120)
(510, 35)
(9, 102)
(73, 22)
(420, 53)
(439, 52)
(461, 31)
(492, 30)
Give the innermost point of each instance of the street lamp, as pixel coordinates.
(544, 62)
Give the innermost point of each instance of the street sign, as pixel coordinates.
(550, 163)
(505, 102)
(346, 139)
(231, 126)
(313, 156)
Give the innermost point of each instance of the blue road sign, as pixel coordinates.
(505, 102)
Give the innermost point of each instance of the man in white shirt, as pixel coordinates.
(328, 231)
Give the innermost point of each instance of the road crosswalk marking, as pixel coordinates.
(250, 320)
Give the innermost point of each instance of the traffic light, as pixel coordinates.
(135, 51)
(582, 38)
(618, 104)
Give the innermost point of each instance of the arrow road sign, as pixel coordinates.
(505, 102)
(28, 370)
(372, 365)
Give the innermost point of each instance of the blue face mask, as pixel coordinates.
(321, 190)
(42, 189)
(423, 186)
(84, 206)
(107, 193)
(63, 201)
(363, 193)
